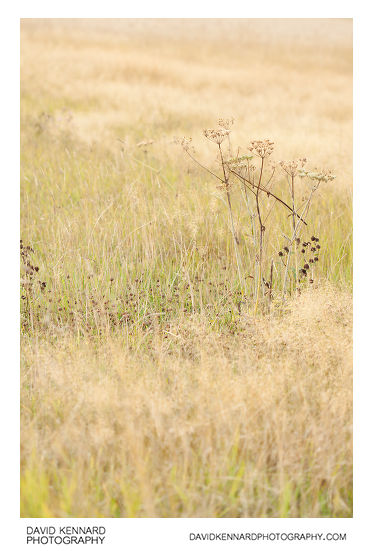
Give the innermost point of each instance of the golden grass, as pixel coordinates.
(146, 389)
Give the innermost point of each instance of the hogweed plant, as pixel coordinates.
(262, 183)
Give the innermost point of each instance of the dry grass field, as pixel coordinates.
(151, 386)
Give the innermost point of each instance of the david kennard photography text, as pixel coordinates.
(65, 534)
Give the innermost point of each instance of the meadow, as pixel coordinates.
(157, 379)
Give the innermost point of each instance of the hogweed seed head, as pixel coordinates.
(225, 186)
(216, 136)
(292, 167)
(261, 148)
(226, 123)
(186, 143)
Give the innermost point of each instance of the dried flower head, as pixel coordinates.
(186, 143)
(292, 167)
(217, 136)
(226, 123)
(261, 148)
(225, 186)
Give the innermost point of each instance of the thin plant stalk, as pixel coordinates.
(235, 238)
(261, 238)
(305, 210)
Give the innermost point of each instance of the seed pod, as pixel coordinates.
(303, 251)
(286, 249)
(280, 253)
(306, 267)
(317, 246)
(313, 238)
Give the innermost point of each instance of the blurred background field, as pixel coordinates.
(147, 389)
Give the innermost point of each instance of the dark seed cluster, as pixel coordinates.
(29, 270)
(29, 283)
(314, 247)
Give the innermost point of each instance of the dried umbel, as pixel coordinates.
(225, 186)
(216, 136)
(186, 143)
(261, 148)
(226, 123)
(292, 167)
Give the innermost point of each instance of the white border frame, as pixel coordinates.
(173, 533)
